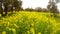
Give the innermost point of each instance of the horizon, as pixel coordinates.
(37, 3)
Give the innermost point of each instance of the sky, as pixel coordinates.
(36, 3)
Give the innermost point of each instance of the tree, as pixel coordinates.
(44, 10)
(52, 7)
(9, 4)
(17, 4)
(1, 6)
(29, 9)
(38, 9)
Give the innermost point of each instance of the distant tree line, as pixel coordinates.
(15, 5)
(37, 9)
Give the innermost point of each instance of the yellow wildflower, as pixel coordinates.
(39, 33)
(3, 32)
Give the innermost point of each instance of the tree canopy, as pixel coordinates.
(9, 5)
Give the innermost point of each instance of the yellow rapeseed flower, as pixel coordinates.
(0, 15)
(13, 30)
(32, 30)
(39, 33)
(4, 32)
(16, 26)
(8, 24)
(28, 32)
(10, 29)
(32, 24)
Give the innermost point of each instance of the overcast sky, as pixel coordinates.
(36, 3)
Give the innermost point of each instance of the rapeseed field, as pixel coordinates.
(30, 23)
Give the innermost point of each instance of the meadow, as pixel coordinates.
(26, 22)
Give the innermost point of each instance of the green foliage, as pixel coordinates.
(57, 32)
